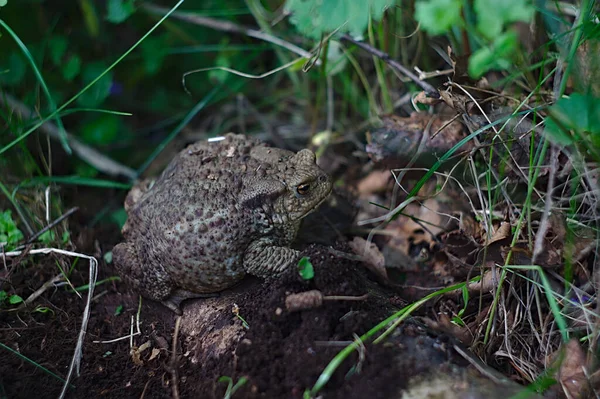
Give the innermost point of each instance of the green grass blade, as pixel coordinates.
(40, 78)
(201, 104)
(77, 181)
(28, 360)
(390, 324)
(86, 88)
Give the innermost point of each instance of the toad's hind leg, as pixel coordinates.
(173, 302)
(149, 279)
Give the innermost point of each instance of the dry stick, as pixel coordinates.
(385, 57)
(93, 274)
(51, 225)
(99, 161)
(538, 247)
(37, 293)
(227, 26)
(173, 361)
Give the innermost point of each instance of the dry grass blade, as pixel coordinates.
(93, 273)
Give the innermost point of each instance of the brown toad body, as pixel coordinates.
(218, 211)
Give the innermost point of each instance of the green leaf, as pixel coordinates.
(119, 217)
(71, 68)
(118, 11)
(9, 233)
(12, 70)
(492, 15)
(47, 237)
(219, 75)
(3, 3)
(98, 92)
(496, 56)
(118, 310)
(3, 296)
(102, 130)
(305, 268)
(43, 309)
(578, 114)
(58, 47)
(153, 53)
(438, 16)
(313, 18)
(15, 299)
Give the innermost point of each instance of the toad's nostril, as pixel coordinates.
(322, 179)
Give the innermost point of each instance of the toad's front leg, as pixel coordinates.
(263, 259)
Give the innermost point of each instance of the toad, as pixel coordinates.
(219, 210)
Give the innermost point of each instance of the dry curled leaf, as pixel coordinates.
(571, 373)
(502, 232)
(376, 181)
(154, 354)
(372, 257)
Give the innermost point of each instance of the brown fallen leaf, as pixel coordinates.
(155, 352)
(502, 232)
(372, 257)
(376, 181)
(136, 353)
(445, 324)
(571, 375)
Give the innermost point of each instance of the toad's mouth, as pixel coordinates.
(314, 207)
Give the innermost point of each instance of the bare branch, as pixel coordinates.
(385, 57)
(227, 26)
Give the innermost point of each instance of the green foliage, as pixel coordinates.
(305, 268)
(102, 130)
(231, 389)
(495, 56)
(118, 11)
(58, 46)
(71, 68)
(98, 92)
(458, 318)
(314, 18)
(118, 310)
(438, 16)
(47, 237)
(9, 233)
(496, 47)
(11, 299)
(153, 53)
(119, 217)
(43, 309)
(573, 119)
(3, 3)
(12, 69)
(493, 15)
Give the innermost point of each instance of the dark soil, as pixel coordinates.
(281, 354)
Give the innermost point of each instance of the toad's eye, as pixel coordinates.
(303, 189)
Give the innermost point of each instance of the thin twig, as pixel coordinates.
(99, 161)
(544, 222)
(227, 26)
(385, 57)
(93, 274)
(51, 225)
(37, 293)
(173, 361)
